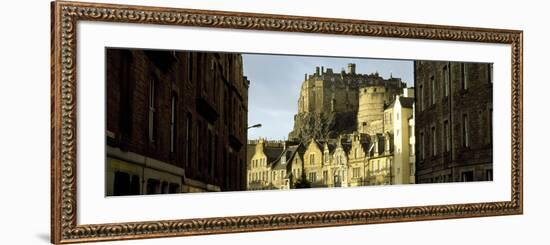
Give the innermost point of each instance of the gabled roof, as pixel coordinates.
(346, 147)
(272, 153)
(406, 102)
(317, 142)
(289, 153)
(365, 146)
(331, 147)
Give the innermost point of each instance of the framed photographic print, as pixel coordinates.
(175, 122)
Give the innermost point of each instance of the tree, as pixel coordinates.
(302, 182)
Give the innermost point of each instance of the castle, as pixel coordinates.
(331, 103)
(350, 130)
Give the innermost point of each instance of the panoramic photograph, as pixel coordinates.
(189, 121)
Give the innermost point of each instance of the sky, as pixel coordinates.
(275, 82)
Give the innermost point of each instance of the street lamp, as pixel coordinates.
(259, 125)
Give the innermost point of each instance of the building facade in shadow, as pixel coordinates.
(175, 122)
(454, 140)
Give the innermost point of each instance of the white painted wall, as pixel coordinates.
(24, 128)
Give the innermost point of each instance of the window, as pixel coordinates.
(446, 80)
(313, 177)
(164, 188)
(432, 82)
(465, 133)
(490, 73)
(490, 126)
(190, 67)
(325, 177)
(211, 151)
(421, 98)
(174, 188)
(434, 142)
(153, 186)
(464, 69)
(356, 172)
(446, 136)
(226, 109)
(173, 111)
(421, 146)
(198, 145)
(121, 185)
(467, 176)
(188, 139)
(311, 159)
(135, 185)
(152, 110)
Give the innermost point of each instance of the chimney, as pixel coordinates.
(351, 68)
(317, 70)
(322, 70)
(260, 145)
(305, 77)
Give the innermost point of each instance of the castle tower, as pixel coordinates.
(351, 68)
(370, 114)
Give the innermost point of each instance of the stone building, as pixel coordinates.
(176, 122)
(274, 165)
(379, 161)
(259, 170)
(288, 169)
(314, 163)
(453, 121)
(357, 157)
(329, 102)
(339, 164)
(400, 112)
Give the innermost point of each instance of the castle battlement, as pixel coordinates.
(342, 100)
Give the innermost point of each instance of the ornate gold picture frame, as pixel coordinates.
(64, 40)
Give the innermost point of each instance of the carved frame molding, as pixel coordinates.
(65, 15)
